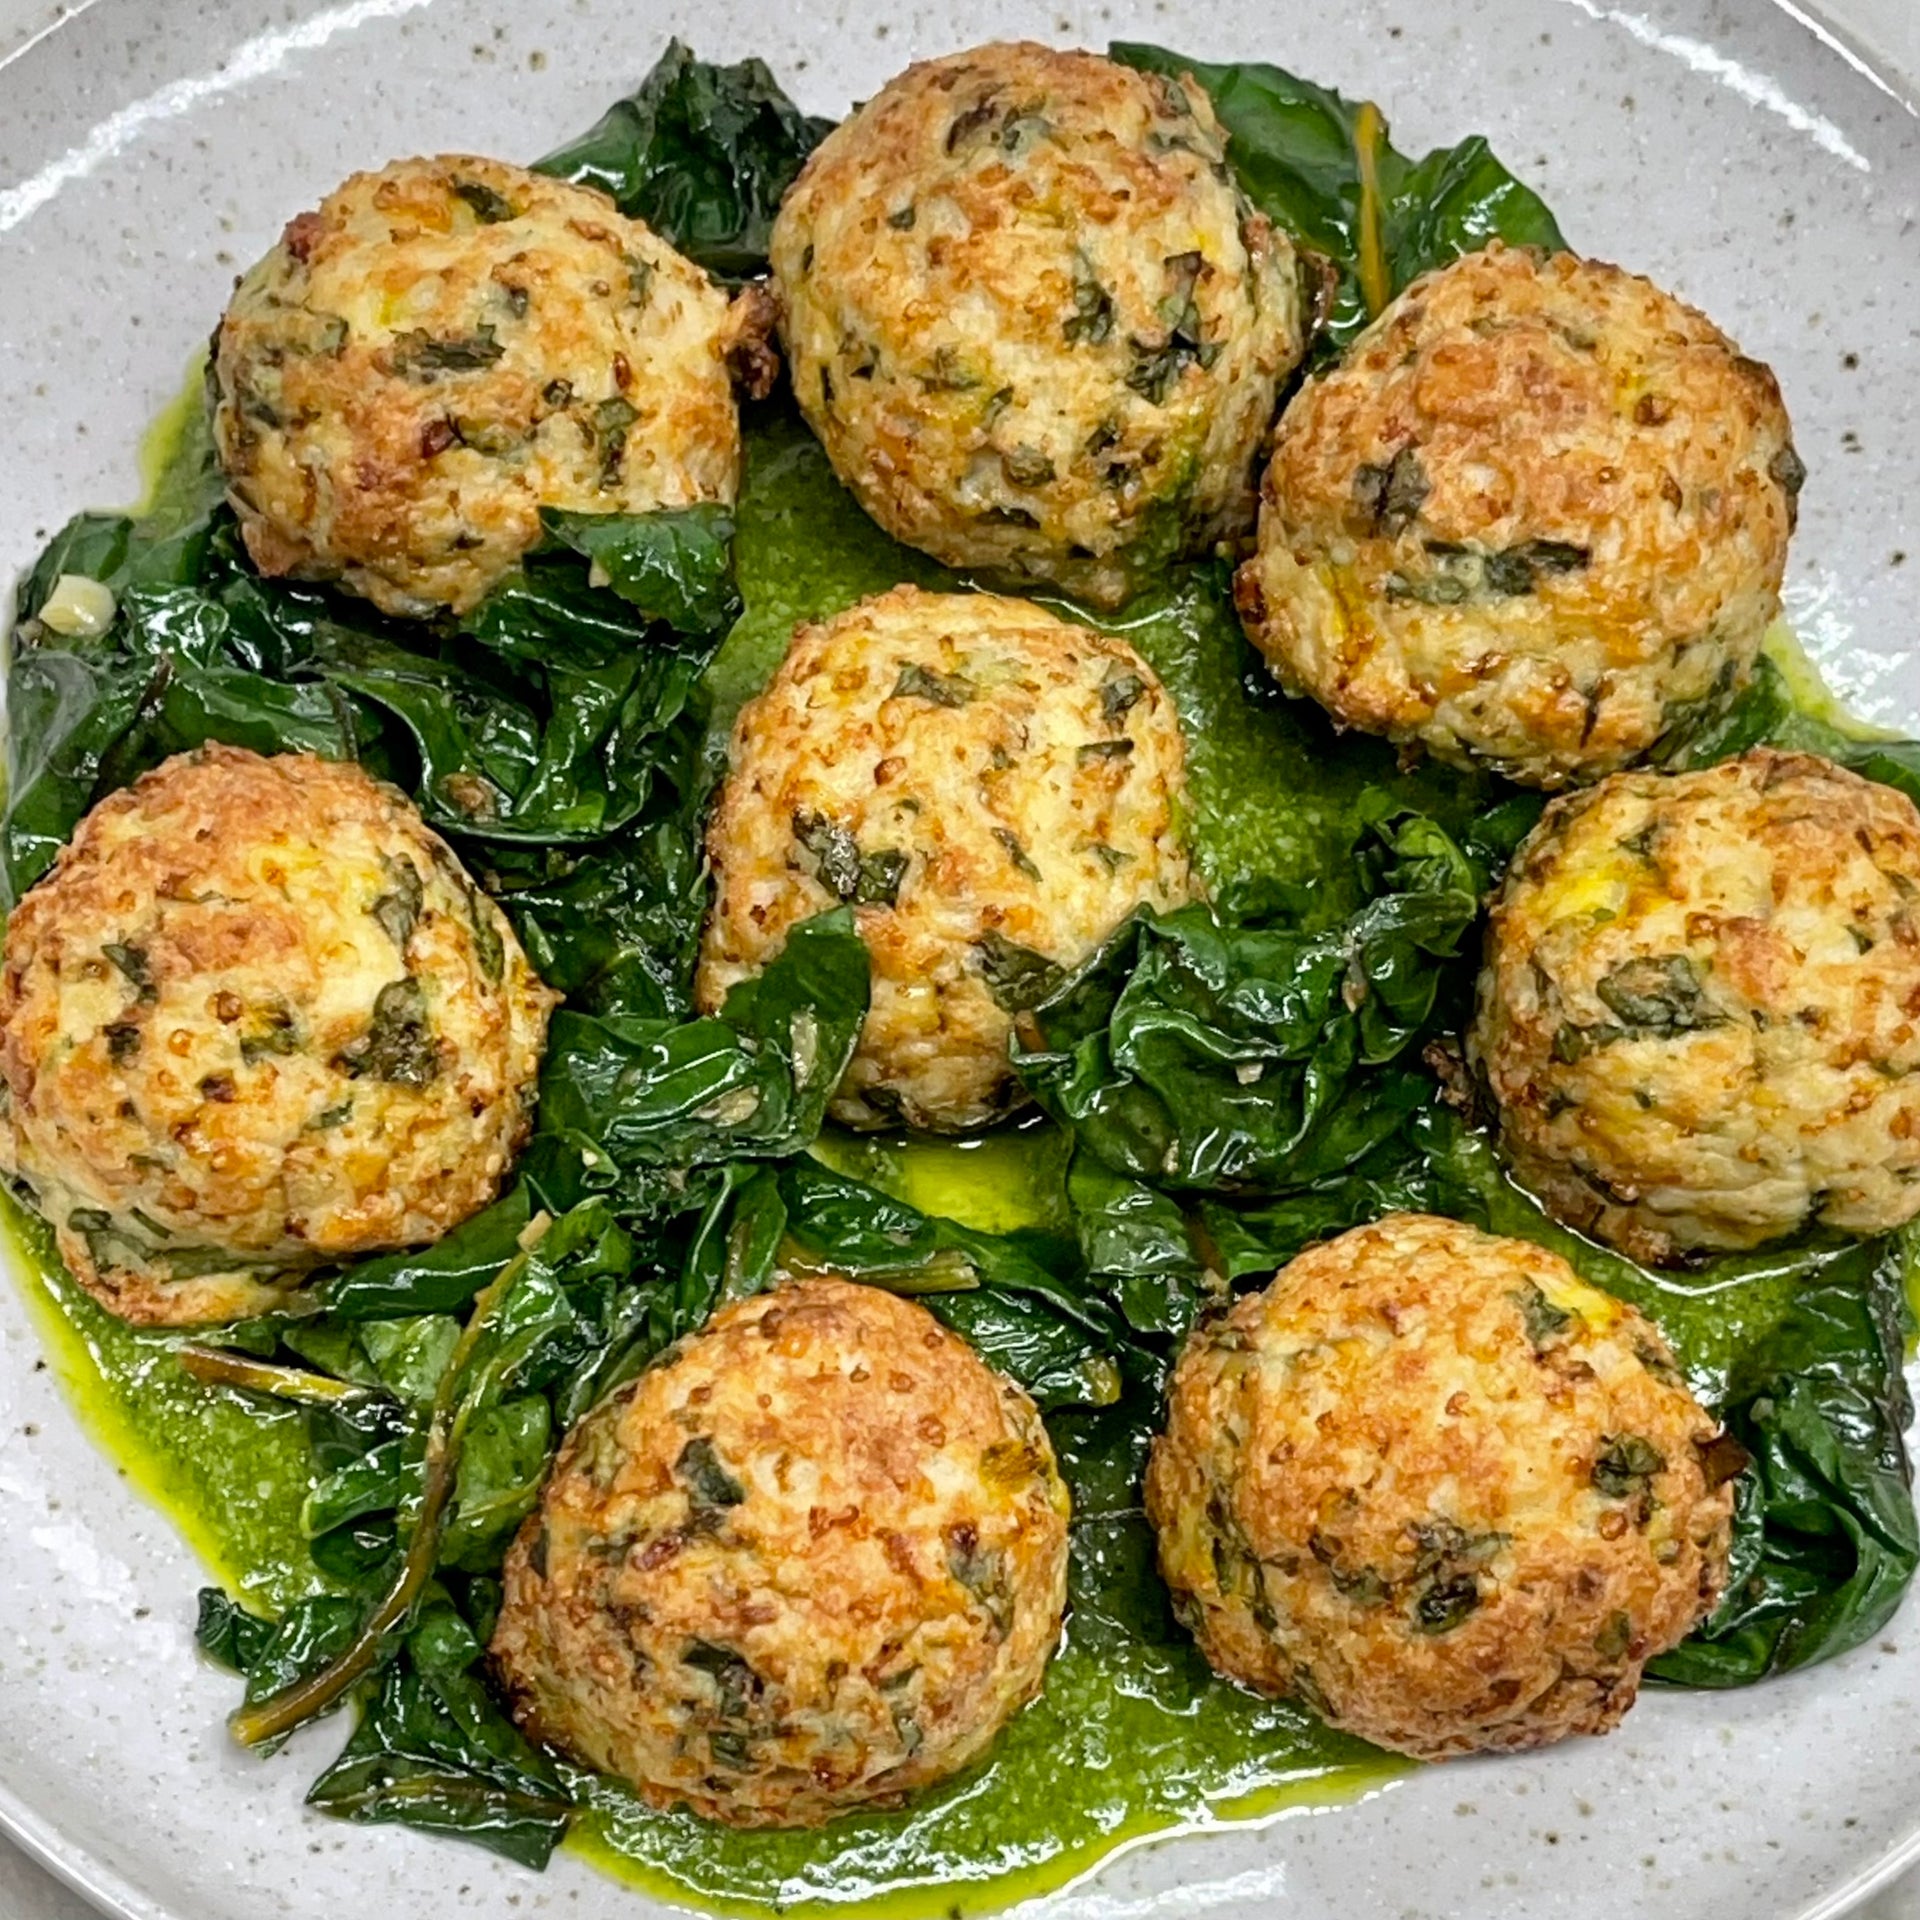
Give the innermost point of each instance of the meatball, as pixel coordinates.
(992, 789)
(1536, 519)
(1696, 1016)
(255, 1020)
(447, 346)
(1033, 321)
(813, 1559)
(1440, 1489)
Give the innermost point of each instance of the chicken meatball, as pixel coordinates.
(992, 789)
(1440, 1489)
(1035, 324)
(1696, 1016)
(445, 347)
(812, 1560)
(1535, 520)
(255, 1020)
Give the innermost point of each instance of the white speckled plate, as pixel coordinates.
(147, 151)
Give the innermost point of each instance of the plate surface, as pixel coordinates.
(147, 154)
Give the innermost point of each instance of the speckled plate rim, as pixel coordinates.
(114, 1893)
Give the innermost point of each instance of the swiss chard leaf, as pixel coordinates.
(559, 726)
(1192, 1054)
(1825, 1536)
(434, 1749)
(675, 568)
(1058, 1339)
(1764, 714)
(441, 1278)
(1321, 167)
(1139, 1248)
(455, 1472)
(621, 1095)
(702, 154)
(615, 926)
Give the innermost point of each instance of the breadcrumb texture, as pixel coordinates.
(257, 1019)
(441, 349)
(1536, 519)
(1033, 320)
(993, 790)
(1699, 1015)
(1440, 1489)
(812, 1560)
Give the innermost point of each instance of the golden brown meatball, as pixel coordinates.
(1535, 519)
(1034, 323)
(255, 1020)
(1437, 1487)
(445, 347)
(812, 1560)
(1698, 1010)
(993, 789)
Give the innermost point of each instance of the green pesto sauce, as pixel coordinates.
(1128, 1740)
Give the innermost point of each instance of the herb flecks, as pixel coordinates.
(489, 208)
(612, 419)
(135, 964)
(1091, 322)
(1544, 1321)
(982, 1571)
(1659, 995)
(1462, 573)
(398, 1045)
(422, 356)
(1158, 365)
(832, 855)
(1626, 1465)
(1016, 976)
(1388, 497)
(923, 683)
(398, 909)
(1022, 860)
(710, 1487)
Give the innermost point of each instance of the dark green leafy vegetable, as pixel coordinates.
(435, 1750)
(1055, 1338)
(615, 925)
(625, 1101)
(441, 1278)
(1825, 1539)
(562, 724)
(1322, 168)
(702, 154)
(1763, 713)
(1189, 1053)
(676, 568)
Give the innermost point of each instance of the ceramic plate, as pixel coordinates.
(1729, 150)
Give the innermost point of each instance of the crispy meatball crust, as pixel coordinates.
(1536, 518)
(257, 1019)
(1436, 1486)
(993, 789)
(1035, 324)
(1700, 1010)
(812, 1560)
(446, 346)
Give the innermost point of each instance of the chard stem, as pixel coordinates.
(221, 1367)
(1376, 284)
(312, 1694)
